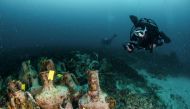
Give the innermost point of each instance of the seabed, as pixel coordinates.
(122, 81)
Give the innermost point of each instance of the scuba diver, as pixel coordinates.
(145, 34)
(107, 41)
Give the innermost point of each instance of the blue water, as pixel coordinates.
(82, 22)
(46, 23)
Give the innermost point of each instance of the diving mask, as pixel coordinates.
(140, 32)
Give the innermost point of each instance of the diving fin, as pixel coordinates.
(166, 38)
(134, 19)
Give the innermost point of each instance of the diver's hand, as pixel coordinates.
(129, 47)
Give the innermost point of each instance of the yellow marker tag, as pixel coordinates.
(51, 75)
(23, 87)
(59, 75)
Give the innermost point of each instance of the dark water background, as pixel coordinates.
(83, 23)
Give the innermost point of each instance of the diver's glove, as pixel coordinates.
(130, 46)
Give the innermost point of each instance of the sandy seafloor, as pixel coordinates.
(174, 91)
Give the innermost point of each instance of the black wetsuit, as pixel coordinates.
(152, 35)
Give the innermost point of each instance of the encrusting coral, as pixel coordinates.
(19, 99)
(46, 64)
(52, 97)
(27, 72)
(95, 98)
(29, 77)
(71, 82)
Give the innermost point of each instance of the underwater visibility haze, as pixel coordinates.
(69, 54)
